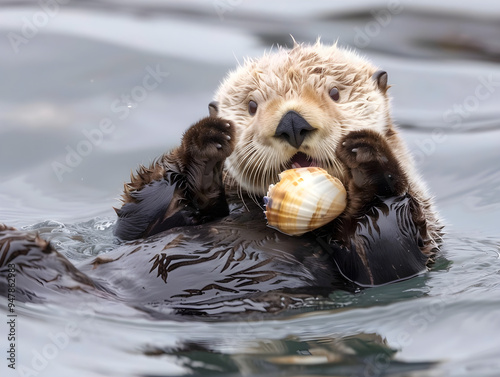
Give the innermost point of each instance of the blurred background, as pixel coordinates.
(90, 89)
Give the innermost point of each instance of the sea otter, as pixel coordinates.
(193, 224)
(309, 106)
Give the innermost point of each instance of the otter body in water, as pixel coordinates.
(232, 264)
(194, 221)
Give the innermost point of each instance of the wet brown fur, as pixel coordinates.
(198, 148)
(192, 177)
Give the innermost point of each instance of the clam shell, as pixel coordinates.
(303, 200)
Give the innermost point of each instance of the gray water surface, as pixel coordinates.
(81, 70)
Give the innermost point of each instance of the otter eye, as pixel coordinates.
(252, 107)
(334, 94)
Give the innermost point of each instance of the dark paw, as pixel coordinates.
(210, 139)
(363, 147)
(371, 162)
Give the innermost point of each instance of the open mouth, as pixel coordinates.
(301, 160)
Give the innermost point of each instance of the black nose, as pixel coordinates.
(293, 128)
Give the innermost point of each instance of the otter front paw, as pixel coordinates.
(371, 162)
(204, 148)
(211, 139)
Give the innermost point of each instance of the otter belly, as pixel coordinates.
(192, 268)
(228, 259)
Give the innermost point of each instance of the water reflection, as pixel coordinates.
(356, 355)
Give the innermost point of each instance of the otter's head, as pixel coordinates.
(290, 108)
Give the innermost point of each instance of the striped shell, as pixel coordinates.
(303, 200)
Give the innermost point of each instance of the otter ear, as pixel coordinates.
(381, 78)
(213, 108)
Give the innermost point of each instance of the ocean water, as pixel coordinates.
(75, 118)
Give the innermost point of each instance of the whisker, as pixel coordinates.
(242, 198)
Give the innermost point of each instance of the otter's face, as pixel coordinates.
(291, 108)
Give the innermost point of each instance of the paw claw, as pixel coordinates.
(354, 150)
(210, 138)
